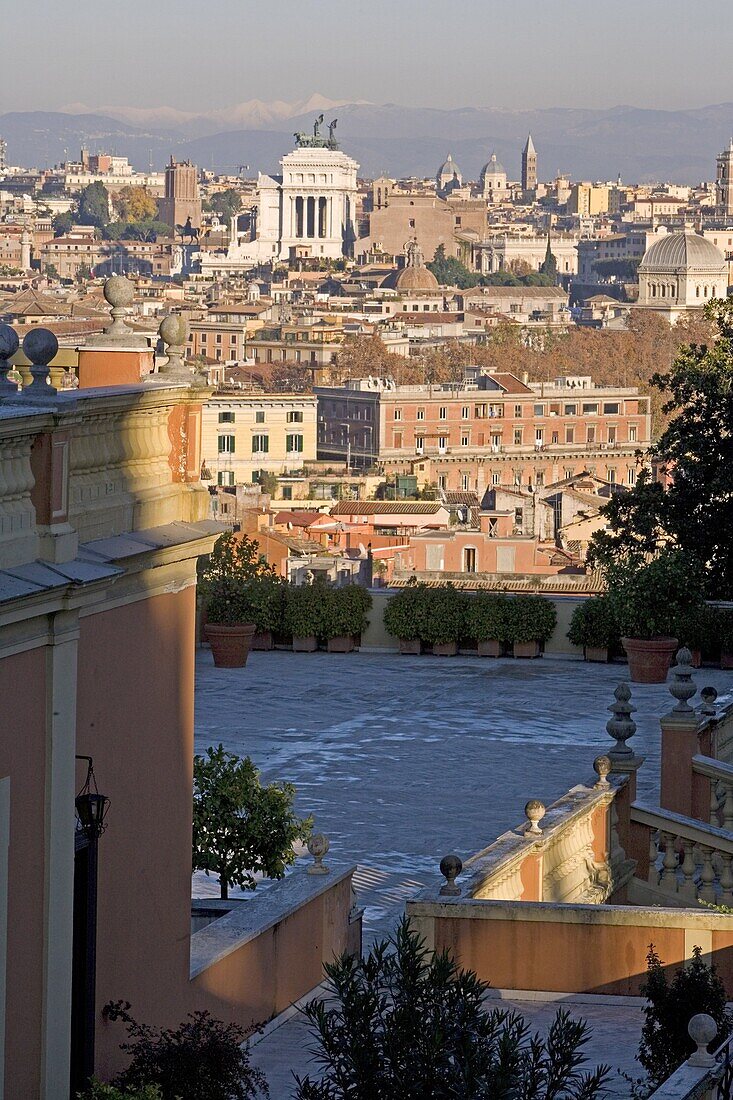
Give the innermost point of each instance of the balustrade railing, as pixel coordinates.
(689, 862)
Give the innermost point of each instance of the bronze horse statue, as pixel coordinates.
(187, 230)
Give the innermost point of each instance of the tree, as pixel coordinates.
(83, 272)
(135, 204)
(94, 205)
(239, 826)
(449, 271)
(62, 223)
(407, 1022)
(549, 264)
(360, 356)
(202, 1059)
(694, 509)
(225, 203)
(51, 271)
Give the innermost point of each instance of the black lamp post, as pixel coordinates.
(91, 810)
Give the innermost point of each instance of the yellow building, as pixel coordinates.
(243, 434)
(588, 199)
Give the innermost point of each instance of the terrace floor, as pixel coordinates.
(402, 759)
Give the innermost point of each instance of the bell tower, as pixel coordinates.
(724, 183)
(529, 166)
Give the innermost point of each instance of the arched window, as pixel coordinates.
(714, 290)
(663, 289)
(653, 290)
(697, 291)
(706, 292)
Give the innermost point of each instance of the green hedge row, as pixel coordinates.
(445, 614)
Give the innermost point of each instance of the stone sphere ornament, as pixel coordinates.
(602, 768)
(318, 845)
(40, 346)
(702, 1029)
(450, 868)
(534, 812)
(173, 330)
(9, 344)
(119, 292)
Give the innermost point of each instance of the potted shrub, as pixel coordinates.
(594, 627)
(268, 604)
(346, 610)
(403, 617)
(227, 583)
(698, 629)
(444, 621)
(304, 615)
(530, 622)
(651, 602)
(486, 621)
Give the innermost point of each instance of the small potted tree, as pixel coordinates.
(594, 627)
(486, 621)
(268, 606)
(652, 602)
(228, 583)
(444, 621)
(530, 622)
(305, 615)
(346, 617)
(403, 617)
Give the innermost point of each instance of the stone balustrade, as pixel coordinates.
(689, 861)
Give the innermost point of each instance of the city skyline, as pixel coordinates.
(532, 55)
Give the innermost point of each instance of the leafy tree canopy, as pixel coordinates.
(135, 204)
(93, 207)
(62, 223)
(225, 203)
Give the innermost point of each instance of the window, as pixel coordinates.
(611, 433)
(611, 407)
(287, 492)
(441, 481)
(419, 443)
(226, 417)
(294, 416)
(442, 442)
(465, 440)
(465, 482)
(518, 517)
(518, 410)
(632, 433)
(539, 410)
(570, 410)
(442, 413)
(631, 476)
(421, 414)
(555, 437)
(590, 408)
(218, 338)
(260, 444)
(540, 479)
(226, 444)
(465, 413)
(232, 339)
(539, 437)
(294, 444)
(397, 441)
(518, 437)
(225, 477)
(611, 475)
(570, 435)
(591, 435)
(398, 414)
(568, 472)
(496, 477)
(259, 416)
(469, 559)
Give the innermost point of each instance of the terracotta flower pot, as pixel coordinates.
(696, 661)
(596, 653)
(489, 648)
(410, 646)
(308, 644)
(263, 639)
(726, 660)
(344, 643)
(230, 645)
(445, 649)
(649, 658)
(526, 649)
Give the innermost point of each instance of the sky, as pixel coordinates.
(202, 55)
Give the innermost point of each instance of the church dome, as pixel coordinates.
(678, 252)
(448, 169)
(493, 168)
(415, 278)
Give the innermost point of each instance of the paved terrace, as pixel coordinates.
(402, 759)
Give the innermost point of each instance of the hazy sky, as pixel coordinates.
(203, 54)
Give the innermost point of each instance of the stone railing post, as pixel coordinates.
(624, 762)
(681, 791)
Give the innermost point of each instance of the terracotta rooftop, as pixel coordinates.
(386, 507)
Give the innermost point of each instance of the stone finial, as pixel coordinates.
(702, 1029)
(8, 346)
(534, 812)
(682, 687)
(621, 725)
(602, 766)
(120, 293)
(318, 845)
(173, 332)
(708, 696)
(450, 868)
(40, 346)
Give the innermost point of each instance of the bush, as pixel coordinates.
(444, 618)
(345, 611)
(230, 580)
(724, 629)
(653, 601)
(698, 628)
(99, 1091)
(665, 1043)
(202, 1059)
(486, 617)
(594, 624)
(530, 619)
(306, 610)
(405, 611)
(267, 603)
(239, 826)
(407, 1022)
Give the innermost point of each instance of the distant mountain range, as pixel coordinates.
(639, 144)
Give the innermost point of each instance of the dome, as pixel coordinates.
(448, 169)
(415, 278)
(683, 252)
(493, 168)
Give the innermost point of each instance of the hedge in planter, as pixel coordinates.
(444, 621)
(594, 627)
(345, 616)
(305, 614)
(268, 609)
(530, 622)
(404, 616)
(230, 584)
(486, 621)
